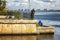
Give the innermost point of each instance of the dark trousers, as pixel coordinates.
(32, 15)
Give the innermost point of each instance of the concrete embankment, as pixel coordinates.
(9, 26)
(45, 30)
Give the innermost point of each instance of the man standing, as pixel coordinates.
(32, 13)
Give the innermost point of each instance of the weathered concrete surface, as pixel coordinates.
(2, 16)
(45, 30)
(17, 26)
(17, 21)
(9, 26)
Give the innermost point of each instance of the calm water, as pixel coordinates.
(50, 19)
(38, 37)
(57, 33)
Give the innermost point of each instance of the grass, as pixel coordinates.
(37, 25)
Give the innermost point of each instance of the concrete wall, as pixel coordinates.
(17, 26)
(45, 30)
(2, 16)
(17, 21)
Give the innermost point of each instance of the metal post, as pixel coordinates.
(29, 4)
(29, 9)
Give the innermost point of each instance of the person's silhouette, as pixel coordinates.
(32, 13)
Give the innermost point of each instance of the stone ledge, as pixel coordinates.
(45, 29)
(17, 21)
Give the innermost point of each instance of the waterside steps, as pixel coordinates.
(45, 30)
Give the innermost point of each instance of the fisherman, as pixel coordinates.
(40, 23)
(32, 13)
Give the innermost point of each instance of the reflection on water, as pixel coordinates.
(57, 33)
(45, 37)
(38, 37)
(56, 37)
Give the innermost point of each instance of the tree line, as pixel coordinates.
(2, 5)
(17, 14)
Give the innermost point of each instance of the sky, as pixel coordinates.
(37, 4)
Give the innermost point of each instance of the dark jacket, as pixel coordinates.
(32, 13)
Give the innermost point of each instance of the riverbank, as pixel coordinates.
(9, 26)
(45, 30)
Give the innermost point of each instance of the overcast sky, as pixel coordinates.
(37, 4)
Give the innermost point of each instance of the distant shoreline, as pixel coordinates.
(47, 11)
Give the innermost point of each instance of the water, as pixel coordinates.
(57, 33)
(50, 19)
(32, 37)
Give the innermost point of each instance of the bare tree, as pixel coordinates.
(2, 4)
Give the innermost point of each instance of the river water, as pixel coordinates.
(31, 37)
(50, 19)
